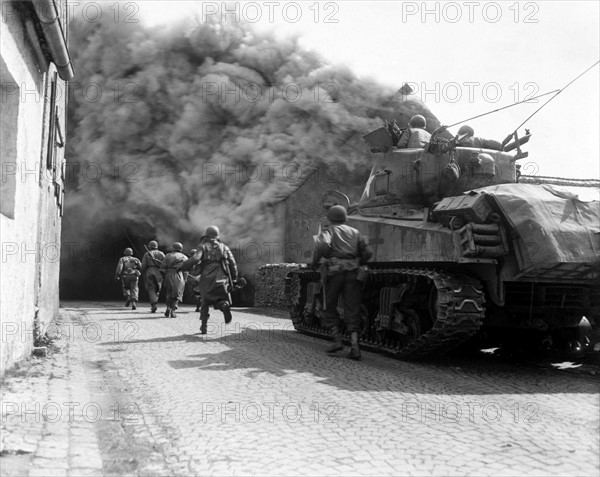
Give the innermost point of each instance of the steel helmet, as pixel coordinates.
(466, 130)
(417, 121)
(127, 251)
(177, 247)
(337, 214)
(212, 231)
(153, 245)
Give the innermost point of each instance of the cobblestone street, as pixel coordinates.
(130, 392)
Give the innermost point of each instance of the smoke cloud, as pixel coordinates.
(172, 129)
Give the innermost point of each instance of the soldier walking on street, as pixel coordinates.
(153, 278)
(218, 272)
(174, 278)
(128, 271)
(341, 250)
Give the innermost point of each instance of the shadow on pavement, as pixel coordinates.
(281, 351)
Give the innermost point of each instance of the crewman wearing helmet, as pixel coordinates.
(466, 138)
(128, 271)
(415, 135)
(218, 273)
(341, 250)
(151, 270)
(174, 278)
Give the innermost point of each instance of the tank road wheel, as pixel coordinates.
(317, 318)
(594, 337)
(387, 339)
(445, 314)
(433, 304)
(367, 327)
(411, 313)
(411, 327)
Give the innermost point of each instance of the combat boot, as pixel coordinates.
(337, 341)
(354, 348)
(203, 325)
(226, 309)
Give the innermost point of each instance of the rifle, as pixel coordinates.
(241, 283)
(158, 263)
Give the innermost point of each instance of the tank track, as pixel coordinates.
(461, 308)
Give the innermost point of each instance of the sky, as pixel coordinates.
(461, 58)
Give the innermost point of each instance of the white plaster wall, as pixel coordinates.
(27, 278)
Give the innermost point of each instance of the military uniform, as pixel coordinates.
(467, 138)
(341, 250)
(153, 278)
(128, 271)
(415, 135)
(174, 280)
(218, 271)
(194, 278)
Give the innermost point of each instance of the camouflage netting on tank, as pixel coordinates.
(270, 284)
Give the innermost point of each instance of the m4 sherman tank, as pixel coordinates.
(459, 245)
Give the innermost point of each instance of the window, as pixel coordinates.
(55, 140)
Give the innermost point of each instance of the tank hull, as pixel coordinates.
(449, 261)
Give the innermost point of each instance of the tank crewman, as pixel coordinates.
(415, 135)
(128, 271)
(153, 278)
(174, 278)
(218, 273)
(341, 250)
(466, 138)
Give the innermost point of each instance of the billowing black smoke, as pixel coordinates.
(172, 129)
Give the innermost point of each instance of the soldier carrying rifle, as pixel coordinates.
(341, 252)
(218, 275)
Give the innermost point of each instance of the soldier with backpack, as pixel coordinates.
(153, 278)
(174, 278)
(218, 273)
(341, 251)
(128, 271)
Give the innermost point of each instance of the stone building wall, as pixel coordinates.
(301, 213)
(33, 106)
(304, 208)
